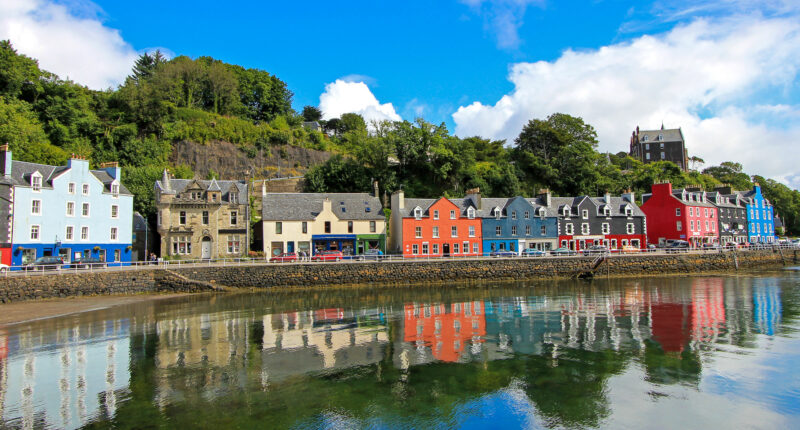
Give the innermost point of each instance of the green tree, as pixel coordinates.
(222, 86)
(20, 128)
(311, 113)
(730, 173)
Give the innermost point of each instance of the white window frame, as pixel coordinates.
(679, 226)
(114, 211)
(36, 233)
(115, 189)
(85, 189)
(629, 228)
(513, 214)
(234, 218)
(415, 249)
(71, 188)
(606, 228)
(86, 210)
(36, 182)
(452, 214)
(498, 230)
(585, 228)
(84, 233)
(527, 230)
(456, 249)
(36, 207)
(435, 249)
(472, 231)
(454, 231)
(69, 233)
(425, 248)
(113, 234)
(513, 230)
(475, 248)
(418, 213)
(471, 213)
(527, 215)
(465, 247)
(677, 211)
(435, 214)
(68, 211)
(585, 214)
(569, 229)
(435, 232)
(418, 232)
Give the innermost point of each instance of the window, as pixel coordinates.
(435, 214)
(662, 155)
(436, 232)
(472, 231)
(213, 197)
(84, 233)
(513, 214)
(543, 230)
(691, 225)
(452, 214)
(349, 226)
(706, 211)
(465, 247)
(629, 228)
(706, 225)
(85, 209)
(455, 248)
(691, 211)
(677, 211)
(453, 231)
(71, 188)
(36, 181)
(415, 249)
(471, 213)
(435, 248)
(475, 248)
(278, 227)
(34, 232)
(527, 215)
(181, 245)
(679, 226)
(569, 229)
(606, 228)
(69, 234)
(233, 244)
(417, 232)
(660, 138)
(205, 217)
(113, 235)
(234, 218)
(498, 230)
(115, 190)
(513, 230)
(182, 218)
(117, 255)
(234, 198)
(115, 211)
(425, 248)
(614, 243)
(36, 207)
(372, 227)
(527, 230)
(585, 228)
(607, 211)
(585, 214)
(85, 189)
(327, 226)
(417, 213)
(647, 156)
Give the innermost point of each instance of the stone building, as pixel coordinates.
(202, 219)
(649, 146)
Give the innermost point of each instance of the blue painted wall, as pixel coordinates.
(519, 206)
(760, 218)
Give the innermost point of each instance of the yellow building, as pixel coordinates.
(312, 222)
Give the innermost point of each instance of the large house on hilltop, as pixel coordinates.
(68, 211)
(202, 219)
(649, 146)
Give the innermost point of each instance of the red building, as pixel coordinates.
(683, 214)
(446, 329)
(434, 227)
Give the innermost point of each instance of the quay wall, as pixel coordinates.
(193, 279)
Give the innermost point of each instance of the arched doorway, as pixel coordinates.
(205, 248)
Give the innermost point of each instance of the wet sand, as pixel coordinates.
(14, 313)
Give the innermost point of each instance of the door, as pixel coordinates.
(205, 249)
(290, 247)
(446, 249)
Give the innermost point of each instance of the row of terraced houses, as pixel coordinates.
(75, 212)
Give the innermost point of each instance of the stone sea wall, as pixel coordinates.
(265, 276)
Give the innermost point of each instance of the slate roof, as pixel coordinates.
(138, 222)
(488, 204)
(617, 204)
(714, 197)
(177, 186)
(21, 172)
(306, 206)
(670, 135)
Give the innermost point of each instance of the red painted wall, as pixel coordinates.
(5, 256)
(662, 218)
(446, 329)
(444, 223)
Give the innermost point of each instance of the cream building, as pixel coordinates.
(311, 222)
(202, 219)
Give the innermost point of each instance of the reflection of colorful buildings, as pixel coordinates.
(446, 329)
(766, 308)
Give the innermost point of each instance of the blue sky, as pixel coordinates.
(725, 71)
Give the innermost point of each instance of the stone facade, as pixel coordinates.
(202, 219)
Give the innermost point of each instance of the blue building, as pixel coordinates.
(69, 211)
(514, 224)
(760, 216)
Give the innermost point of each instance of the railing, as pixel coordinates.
(77, 268)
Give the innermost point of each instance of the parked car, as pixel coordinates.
(711, 247)
(678, 246)
(46, 263)
(87, 262)
(630, 249)
(286, 257)
(503, 253)
(533, 252)
(563, 251)
(3, 268)
(596, 250)
(328, 256)
(371, 254)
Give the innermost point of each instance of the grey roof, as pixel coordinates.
(179, 185)
(680, 194)
(139, 222)
(306, 206)
(214, 186)
(21, 172)
(670, 135)
(616, 204)
(778, 221)
(715, 198)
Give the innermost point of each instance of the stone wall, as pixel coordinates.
(19, 287)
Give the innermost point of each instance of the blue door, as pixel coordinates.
(290, 247)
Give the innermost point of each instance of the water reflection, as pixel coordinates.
(403, 357)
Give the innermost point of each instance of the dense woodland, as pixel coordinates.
(44, 119)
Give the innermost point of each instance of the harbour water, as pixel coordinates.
(693, 352)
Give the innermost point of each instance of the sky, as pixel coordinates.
(725, 71)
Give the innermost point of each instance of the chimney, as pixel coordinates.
(545, 195)
(113, 169)
(475, 195)
(375, 190)
(398, 200)
(664, 188)
(629, 196)
(5, 160)
(724, 189)
(165, 185)
(326, 205)
(607, 198)
(264, 188)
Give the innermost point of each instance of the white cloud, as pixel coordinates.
(342, 97)
(709, 77)
(70, 42)
(503, 18)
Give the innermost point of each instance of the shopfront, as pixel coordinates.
(346, 243)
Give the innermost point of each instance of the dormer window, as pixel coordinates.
(585, 214)
(645, 138)
(628, 211)
(497, 213)
(234, 198)
(660, 137)
(471, 213)
(606, 211)
(541, 212)
(566, 211)
(36, 181)
(418, 213)
(115, 189)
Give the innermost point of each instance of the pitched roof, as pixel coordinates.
(21, 172)
(306, 206)
(670, 135)
(716, 198)
(177, 186)
(106, 179)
